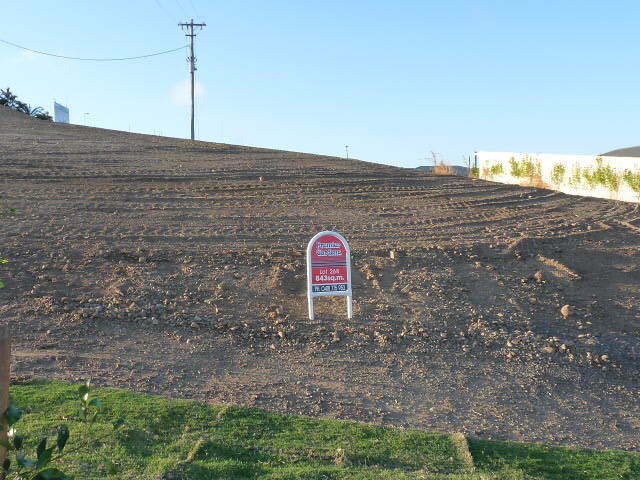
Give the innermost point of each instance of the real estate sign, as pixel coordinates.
(328, 269)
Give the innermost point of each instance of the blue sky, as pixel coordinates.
(392, 79)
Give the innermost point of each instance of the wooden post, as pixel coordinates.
(5, 375)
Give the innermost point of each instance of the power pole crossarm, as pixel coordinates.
(192, 65)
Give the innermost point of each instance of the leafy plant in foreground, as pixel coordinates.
(26, 467)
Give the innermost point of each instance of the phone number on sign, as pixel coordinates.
(341, 287)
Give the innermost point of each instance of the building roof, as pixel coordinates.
(624, 152)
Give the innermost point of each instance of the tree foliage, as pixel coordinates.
(10, 100)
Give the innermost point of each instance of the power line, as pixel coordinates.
(93, 59)
(166, 12)
(193, 7)
(181, 7)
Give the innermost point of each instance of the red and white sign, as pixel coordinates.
(328, 268)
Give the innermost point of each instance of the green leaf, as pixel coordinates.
(95, 402)
(24, 462)
(4, 260)
(13, 414)
(63, 436)
(51, 474)
(2, 285)
(18, 440)
(45, 457)
(83, 392)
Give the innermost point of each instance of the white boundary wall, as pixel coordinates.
(571, 174)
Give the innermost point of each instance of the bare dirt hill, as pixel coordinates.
(177, 267)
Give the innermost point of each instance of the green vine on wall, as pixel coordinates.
(576, 175)
(603, 176)
(497, 169)
(633, 180)
(525, 167)
(557, 174)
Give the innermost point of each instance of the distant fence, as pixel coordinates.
(616, 178)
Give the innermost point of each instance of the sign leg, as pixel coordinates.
(310, 301)
(349, 307)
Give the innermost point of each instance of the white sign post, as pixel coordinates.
(329, 269)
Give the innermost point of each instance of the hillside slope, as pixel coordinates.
(177, 267)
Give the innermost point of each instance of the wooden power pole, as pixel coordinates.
(192, 65)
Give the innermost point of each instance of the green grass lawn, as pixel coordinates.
(178, 439)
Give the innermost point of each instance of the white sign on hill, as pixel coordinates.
(329, 269)
(60, 113)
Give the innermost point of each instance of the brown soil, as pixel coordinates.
(177, 267)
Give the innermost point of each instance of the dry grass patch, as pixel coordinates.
(444, 169)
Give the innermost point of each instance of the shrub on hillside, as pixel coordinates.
(10, 100)
(443, 169)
